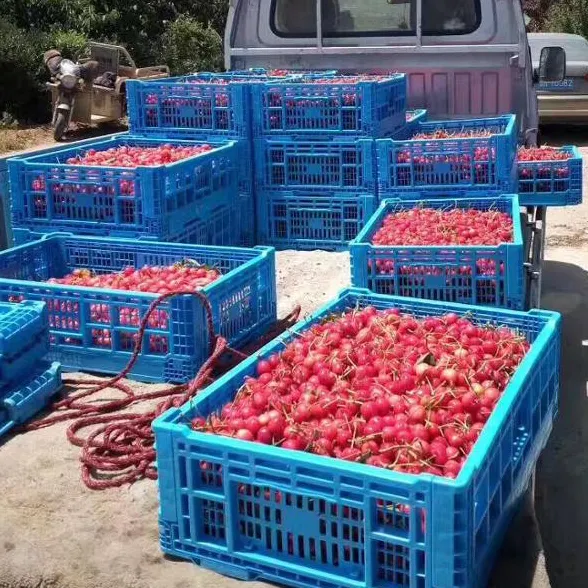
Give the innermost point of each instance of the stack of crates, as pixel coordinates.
(210, 107)
(315, 159)
(207, 106)
(27, 380)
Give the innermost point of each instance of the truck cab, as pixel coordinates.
(463, 58)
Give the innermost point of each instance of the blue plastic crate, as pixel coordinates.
(94, 329)
(307, 220)
(216, 230)
(191, 104)
(339, 164)
(5, 224)
(155, 202)
(344, 107)
(551, 183)
(24, 400)
(223, 225)
(407, 167)
(5, 184)
(24, 339)
(258, 512)
(257, 72)
(489, 275)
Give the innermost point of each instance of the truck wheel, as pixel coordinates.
(60, 125)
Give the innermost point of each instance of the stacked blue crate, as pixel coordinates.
(180, 201)
(448, 158)
(315, 159)
(207, 106)
(27, 380)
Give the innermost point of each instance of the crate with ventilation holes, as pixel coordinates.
(24, 339)
(23, 399)
(367, 106)
(151, 202)
(96, 329)
(556, 182)
(291, 163)
(259, 512)
(311, 219)
(470, 274)
(449, 157)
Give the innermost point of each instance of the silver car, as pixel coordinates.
(562, 99)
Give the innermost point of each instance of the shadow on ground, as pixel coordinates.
(562, 481)
(564, 134)
(562, 474)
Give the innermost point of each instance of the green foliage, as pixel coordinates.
(51, 15)
(183, 33)
(537, 10)
(21, 70)
(188, 47)
(569, 16)
(71, 44)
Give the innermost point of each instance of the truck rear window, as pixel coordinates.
(349, 18)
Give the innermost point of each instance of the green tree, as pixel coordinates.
(189, 46)
(50, 15)
(569, 16)
(21, 72)
(537, 11)
(184, 33)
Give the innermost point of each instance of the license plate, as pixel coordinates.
(563, 86)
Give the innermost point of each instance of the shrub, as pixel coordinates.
(189, 46)
(71, 44)
(21, 72)
(569, 16)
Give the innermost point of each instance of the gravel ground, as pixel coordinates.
(54, 533)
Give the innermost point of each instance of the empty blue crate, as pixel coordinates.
(23, 400)
(24, 339)
(259, 512)
(307, 220)
(338, 164)
(551, 183)
(95, 329)
(408, 166)
(340, 105)
(52, 193)
(489, 275)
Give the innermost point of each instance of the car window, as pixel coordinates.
(297, 18)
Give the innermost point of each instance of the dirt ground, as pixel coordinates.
(23, 139)
(54, 533)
